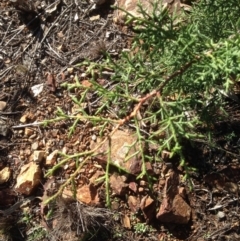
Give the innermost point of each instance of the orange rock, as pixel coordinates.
(173, 208)
(86, 194)
(118, 184)
(29, 178)
(148, 208)
(124, 151)
(5, 174)
(133, 203)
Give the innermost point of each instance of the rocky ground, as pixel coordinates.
(40, 45)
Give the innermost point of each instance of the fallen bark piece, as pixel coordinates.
(29, 178)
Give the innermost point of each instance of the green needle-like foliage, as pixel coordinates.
(191, 61)
(195, 56)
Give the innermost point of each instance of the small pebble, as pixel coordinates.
(35, 146)
(140, 189)
(143, 183)
(221, 215)
(94, 137)
(61, 143)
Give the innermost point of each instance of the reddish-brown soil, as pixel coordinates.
(39, 47)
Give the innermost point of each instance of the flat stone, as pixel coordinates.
(149, 168)
(95, 176)
(131, 6)
(124, 151)
(221, 215)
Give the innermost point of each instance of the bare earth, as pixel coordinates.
(40, 45)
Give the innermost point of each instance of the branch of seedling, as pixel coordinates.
(133, 114)
(156, 92)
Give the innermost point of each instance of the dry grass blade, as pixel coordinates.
(75, 219)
